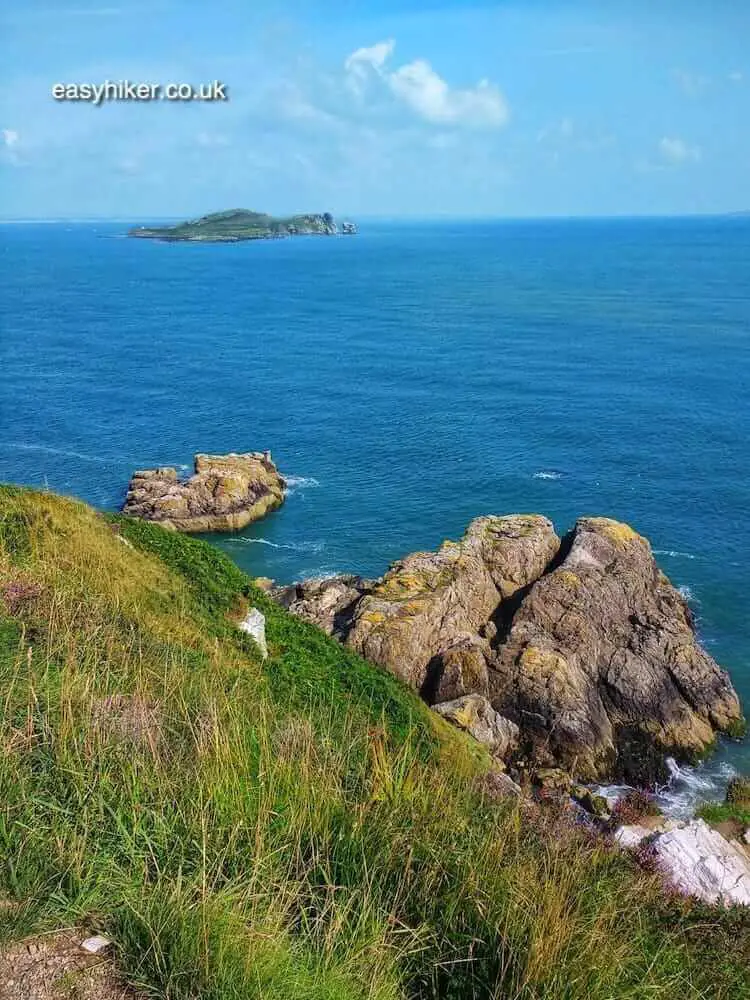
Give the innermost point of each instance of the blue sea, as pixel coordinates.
(406, 380)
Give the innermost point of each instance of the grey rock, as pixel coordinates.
(497, 785)
(601, 666)
(476, 716)
(457, 671)
(586, 646)
(327, 602)
(427, 602)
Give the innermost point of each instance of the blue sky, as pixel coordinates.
(379, 107)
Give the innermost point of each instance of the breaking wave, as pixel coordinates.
(298, 484)
(549, 474)
(685, 790)
(688, 787)
(688, 594)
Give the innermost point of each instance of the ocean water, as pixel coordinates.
(407, 380)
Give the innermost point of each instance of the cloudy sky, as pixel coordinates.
(379, 107)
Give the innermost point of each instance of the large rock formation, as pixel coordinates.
(584, 644)
(601, 667)
(226, 493)
(430, 601)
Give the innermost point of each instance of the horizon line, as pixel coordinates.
(85, 220)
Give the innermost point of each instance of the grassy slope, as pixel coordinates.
(299, 828)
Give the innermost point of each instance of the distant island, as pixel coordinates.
(240, 224)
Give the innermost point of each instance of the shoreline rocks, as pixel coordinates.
(225, 493)
(327, 602)
(582, 644)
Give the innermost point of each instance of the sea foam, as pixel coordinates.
(292, 546)
(673, 554)
(685, 790)
(298, 484)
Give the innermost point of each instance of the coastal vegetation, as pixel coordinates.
(300, 826)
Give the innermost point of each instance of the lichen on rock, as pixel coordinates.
(476, 716)
(430, 601)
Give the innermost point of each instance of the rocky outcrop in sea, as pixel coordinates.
(575, 653)
(225, 493)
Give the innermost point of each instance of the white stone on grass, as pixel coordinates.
(632, 835)
(95, 944)
(254, 623)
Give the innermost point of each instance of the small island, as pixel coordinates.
(239, 224)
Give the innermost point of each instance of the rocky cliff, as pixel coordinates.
(226, 493)
(602, 667)
(583, 644)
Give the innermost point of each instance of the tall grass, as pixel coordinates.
(296, 828)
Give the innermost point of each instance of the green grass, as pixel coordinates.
(296, 828)
(722, 812)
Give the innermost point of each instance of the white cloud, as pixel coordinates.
(10, 137)
(677, 151)
(736, 76)
(375, 56)
(421, 89)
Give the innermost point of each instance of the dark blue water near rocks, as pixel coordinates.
(405, 380)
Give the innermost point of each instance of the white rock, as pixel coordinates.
(697, 860)
(632, 835)
(702, 863)
(95, 944)
(254, 624)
